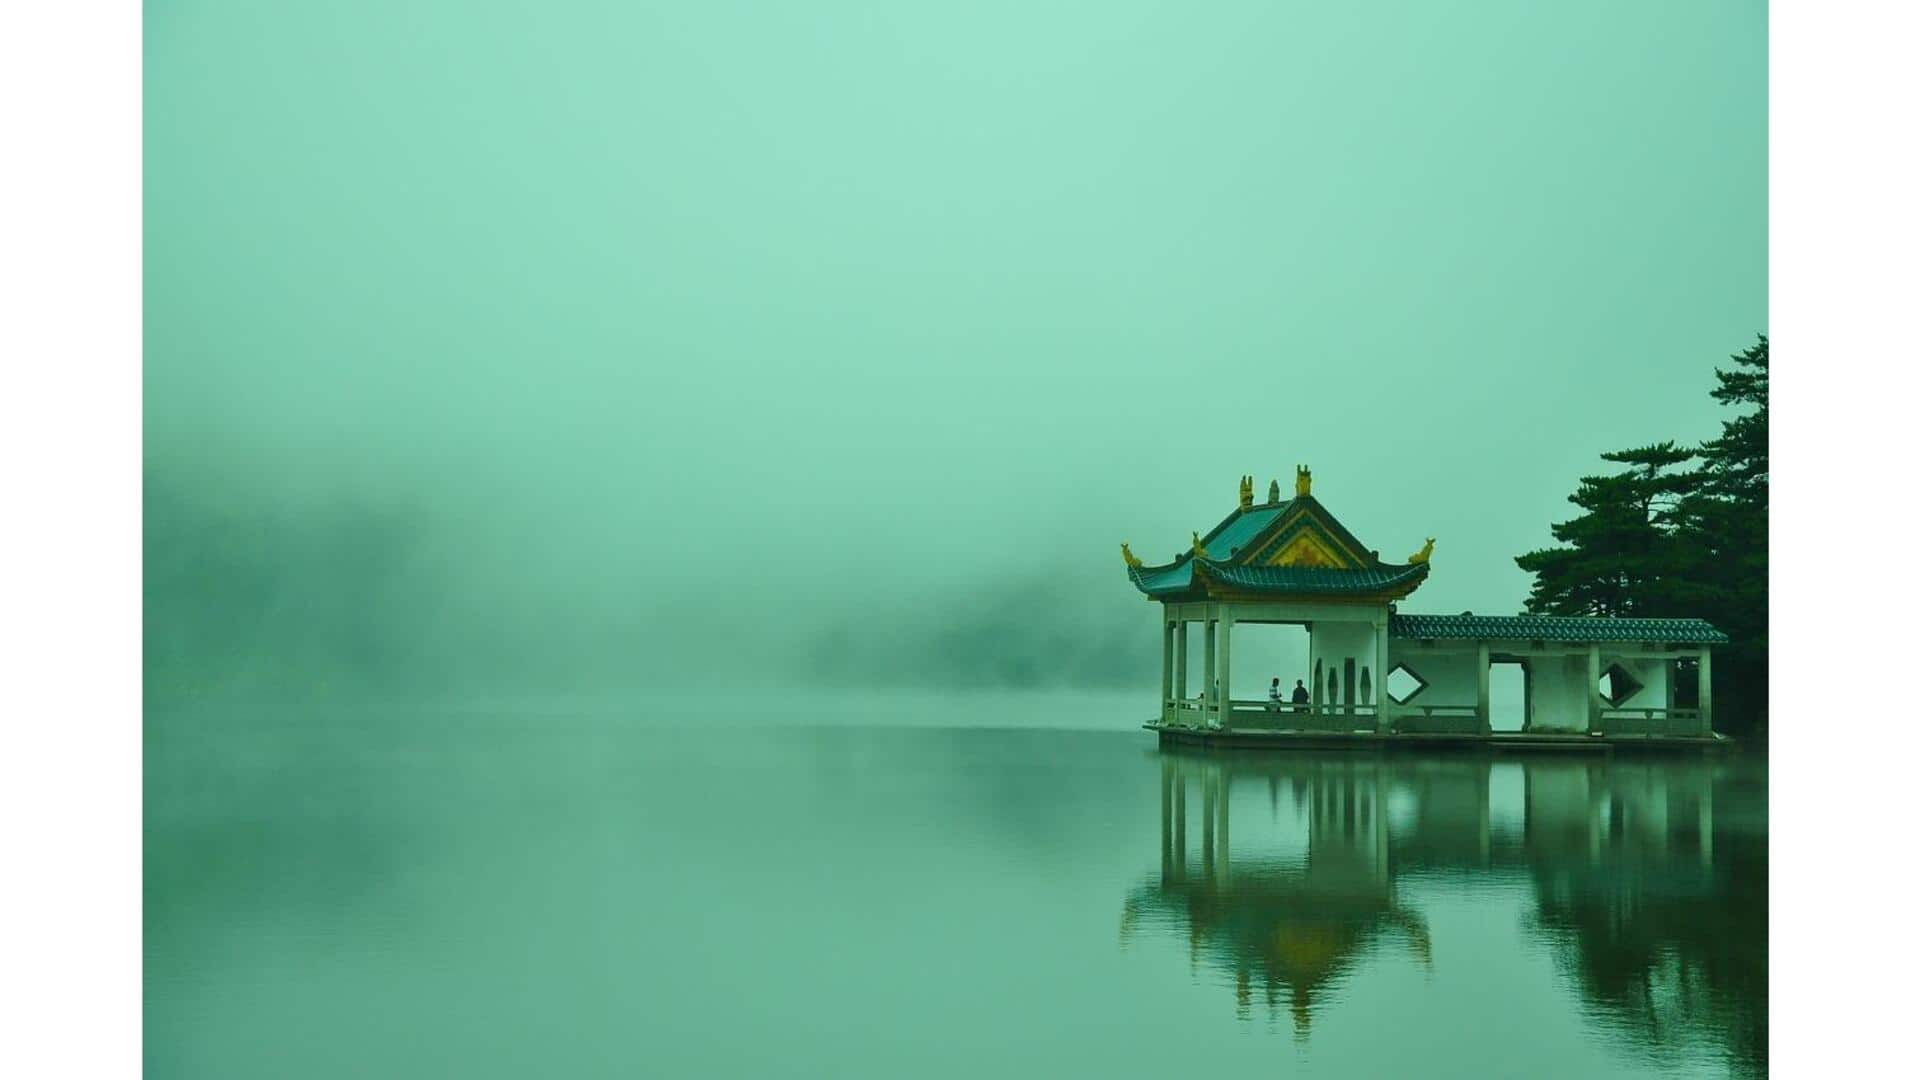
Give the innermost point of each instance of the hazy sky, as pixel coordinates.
(720, 317)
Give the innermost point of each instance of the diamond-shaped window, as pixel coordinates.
(1617, 684)
(1404, 684)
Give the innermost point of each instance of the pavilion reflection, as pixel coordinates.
(1278, 924)
(1286, 872)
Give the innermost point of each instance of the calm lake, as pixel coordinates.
(914, 886)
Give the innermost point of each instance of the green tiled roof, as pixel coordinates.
(1247, 532)
(1156, 581)
(1571, 628)
(1286, 580)
(1317, 580)
(1222, 541)
(1231, 535)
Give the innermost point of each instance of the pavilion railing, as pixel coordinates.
(1437, 719)
(1185, 712)
(1259, 715)
(1650, 721)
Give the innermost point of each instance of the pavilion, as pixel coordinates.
(1375, 672)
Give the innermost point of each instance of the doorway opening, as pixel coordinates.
(1263, 652)
(1509, 695)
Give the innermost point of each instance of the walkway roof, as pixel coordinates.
(1581, 629)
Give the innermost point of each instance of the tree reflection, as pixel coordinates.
(1654, 911)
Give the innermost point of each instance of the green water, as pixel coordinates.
(1006, 886)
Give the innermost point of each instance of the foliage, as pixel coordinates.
(1680, 532)
(244, 599)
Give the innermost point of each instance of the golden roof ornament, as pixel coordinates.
(1246, 492)
(1273, 491)
(1127, 554)
(1302, 481)
(1421, 556)
(1197, 548)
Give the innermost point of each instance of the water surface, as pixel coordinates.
(1011, 886)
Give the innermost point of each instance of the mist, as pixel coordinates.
(579, 347)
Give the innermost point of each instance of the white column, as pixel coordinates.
(1180, 659)
(1706, 692)
(1166, 668)
(1313, 669)
(1382, 701)
(1593, 688)
(1526, 693)
(1483, 664)
(1207, 674)
(1226, 667)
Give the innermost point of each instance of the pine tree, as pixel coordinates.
(1662, 539)
(1729, 516)
(1626, 554)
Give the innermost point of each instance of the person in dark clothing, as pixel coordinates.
(1300, 695)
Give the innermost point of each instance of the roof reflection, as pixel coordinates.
(1635, 890)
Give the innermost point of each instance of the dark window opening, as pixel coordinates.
(1617, 684)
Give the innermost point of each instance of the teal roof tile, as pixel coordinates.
(1315, 580)
(1280, 580)
(1236, 532)
(1569, 628)
(1165, 579)
(1233, 541)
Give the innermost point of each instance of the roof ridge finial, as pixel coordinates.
(1246, 491)
(1302, 481)
(1273, 491)
(1198, 548)
(1424, 554)
(1127, 554)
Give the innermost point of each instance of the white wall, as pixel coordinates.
(1334, 643)
(1449, 671)
(1559, 692)
(1652, 674)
